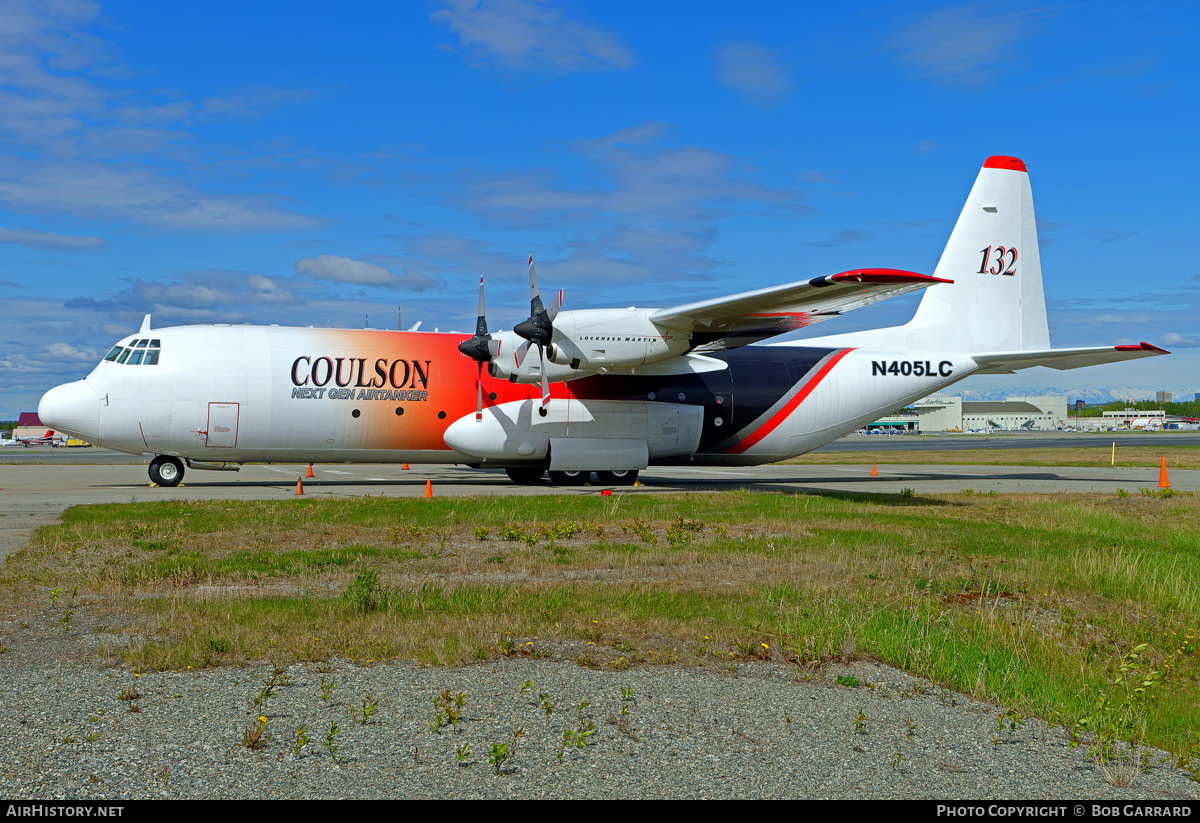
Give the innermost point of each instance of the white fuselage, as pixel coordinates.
(233, 394)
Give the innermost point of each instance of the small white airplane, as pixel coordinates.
(610, 391)
(47, 439)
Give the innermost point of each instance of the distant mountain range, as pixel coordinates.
(1091, 396)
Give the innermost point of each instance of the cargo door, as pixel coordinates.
(222, 425)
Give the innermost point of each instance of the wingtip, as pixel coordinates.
(1143, 346)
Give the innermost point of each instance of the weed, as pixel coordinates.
(268, 691)
(481, 534)
(364, 712)
(642, 529)
(1122, 494)
(577, 737)
(447, 709)
(327, 687)
(503, 752)
(254, 737)
(134, 708)
(364, 594)
(848, 680)
(860, 723)
(910, 727)
(331, 746)
(546, 705)
(218, 645)
(526, 686)
(897, 759)
(302, 739)
(463, 753)
(908, 491)
(1119, 710)
(66, 620)
(131, 693)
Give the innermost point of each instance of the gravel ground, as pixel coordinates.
(762, 730)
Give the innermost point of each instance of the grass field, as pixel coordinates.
(1147, 457)
(1031, 601)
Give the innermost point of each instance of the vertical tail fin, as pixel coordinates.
(996, 302)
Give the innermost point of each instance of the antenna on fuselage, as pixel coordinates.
(145, 324)
(399, 326)
(366, 321)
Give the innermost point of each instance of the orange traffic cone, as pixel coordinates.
(310, 474)
(404, 467)
(299, 485)
(874, 471)
(429, 488)
(1163, 482)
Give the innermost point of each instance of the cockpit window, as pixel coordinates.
(144, 352)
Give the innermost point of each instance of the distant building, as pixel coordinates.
(953, 414)
(1162, 396)
(28, 424)
(1080, 405)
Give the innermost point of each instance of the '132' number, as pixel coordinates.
(997, 264)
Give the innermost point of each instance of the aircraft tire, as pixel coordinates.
(525, 477)
(621, 478)
(166, 471)
(569, 478)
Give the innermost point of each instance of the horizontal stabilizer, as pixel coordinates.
(1009, 362)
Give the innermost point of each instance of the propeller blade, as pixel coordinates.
(555, 305)
(545, 382)
(481, 323)
(535, 300)
(481, 347)
(479, 393)
(521, 353)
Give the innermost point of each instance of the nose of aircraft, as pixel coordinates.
(72, 408)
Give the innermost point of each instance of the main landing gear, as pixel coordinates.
(166, 471)
(528, 477)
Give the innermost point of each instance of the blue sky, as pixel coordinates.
(308, 164)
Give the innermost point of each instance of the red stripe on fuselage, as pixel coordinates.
(790, 406)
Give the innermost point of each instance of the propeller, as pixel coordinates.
(482, 349)
(538, 330)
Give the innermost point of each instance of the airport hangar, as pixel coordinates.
(942, 414)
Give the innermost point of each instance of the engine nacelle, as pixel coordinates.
(634, 431)
(587, 341)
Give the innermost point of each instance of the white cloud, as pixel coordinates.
(1173, 339)
(46, 240)
(963, 46)
(754, 71)
(532, 35)
(61, 120)
(635, 176)
(103, 191)
(359, 272)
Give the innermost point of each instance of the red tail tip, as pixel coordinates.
(1001, 161)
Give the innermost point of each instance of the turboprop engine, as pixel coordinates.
(594, 340)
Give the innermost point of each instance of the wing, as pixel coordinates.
(1010, 362)
(741, 319)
